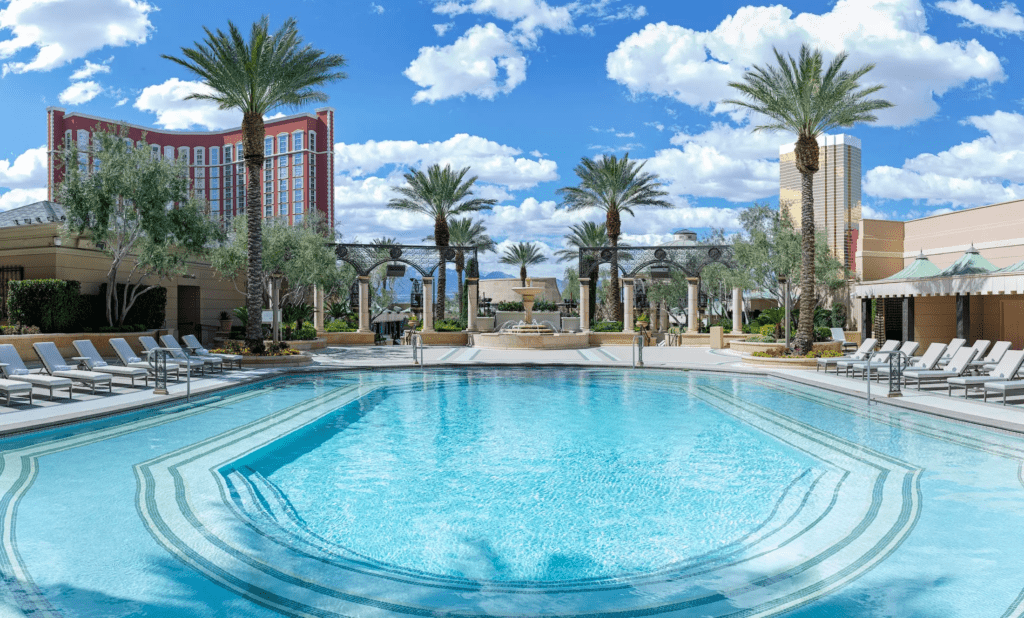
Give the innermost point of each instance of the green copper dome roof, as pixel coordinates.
(970, 263)
(920, 268)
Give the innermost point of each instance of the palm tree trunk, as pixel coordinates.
(460, 265)
(805, 328)
(252, 135)
(441, 240)
(522, 275)
(614, 224)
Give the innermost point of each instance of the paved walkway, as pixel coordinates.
(21, 417)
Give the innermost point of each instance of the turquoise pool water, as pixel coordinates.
(554, 492)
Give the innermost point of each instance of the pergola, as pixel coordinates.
(424, 259)
(688, 259)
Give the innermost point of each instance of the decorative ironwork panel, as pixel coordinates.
(690, 260)
(425, 259)
(8, 273)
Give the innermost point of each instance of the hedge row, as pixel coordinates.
(57, 306)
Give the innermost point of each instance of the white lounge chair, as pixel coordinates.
(881, 359)
(998, 349)
(212, 362)
(1012, 386)
(56, 366)
(953, 347)
(954, 369)
(1004, 371)
(192, 343)
(839, 335)
(862, 353)
(179, 356)
(14, 368)
(887, 347)
(94, 362)
(128, 358)
(929, 360)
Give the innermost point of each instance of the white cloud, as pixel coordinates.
(538, 154)
(739, 142)
(21, 197)
(529, 16)
(27, 171)
(1006, 19)
(441, 29)
(601, 9)
(376, 8)
(120, 102)
(65, 30)
(492, 162)
(80, 92)
(987, 170)
(695, 67)
(88, 70)
(473, 64)
(630, 134)
(166, 100)
(655, 125)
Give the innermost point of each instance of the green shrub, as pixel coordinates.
(761, 339)
(838, 315)
(726, 325)
(767, 330)
(51, 304)
(18, 329)
(544, 305)
(449, 326)
(608, 327)
(340, 326)
(149, 309)
(306, 333)
(511, 305)
(822, 333)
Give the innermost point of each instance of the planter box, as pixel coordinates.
(451, 339)
(63, 341)
(611, 338)
(485, 325)
(781, 363)
(747, 347)
(571, 325)
(348, 339)
(309, 344)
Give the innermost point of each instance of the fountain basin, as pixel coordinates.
(531, 341)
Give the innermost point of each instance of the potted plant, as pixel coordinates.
(643, 321)
(413, 322)
(225, 322)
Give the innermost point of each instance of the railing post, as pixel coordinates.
(638, 351)
(157, 359)
(895, 373)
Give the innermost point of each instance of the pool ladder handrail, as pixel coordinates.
(417, 359)
(637, 350)
(896, 364)
(154, 356)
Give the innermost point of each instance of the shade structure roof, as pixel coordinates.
(970, 263)
(918, 269)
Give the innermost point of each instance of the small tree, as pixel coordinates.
(120, 196)
(523, 254)
(298, 253)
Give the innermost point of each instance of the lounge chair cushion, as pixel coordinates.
(19, 372)
(62, 367)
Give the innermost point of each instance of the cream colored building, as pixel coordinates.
(959, 274)
(32, 247)
(837, 207)
(500, 290)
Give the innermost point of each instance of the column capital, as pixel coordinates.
(363, 278)
(428, 279)
(584, 279)
(472, 280)
(693, 280)
(627, 280)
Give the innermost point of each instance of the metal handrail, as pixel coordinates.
(417, 359)
(154, 356)
(894, 372)
(637, 349)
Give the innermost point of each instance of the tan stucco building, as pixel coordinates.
(32, 247)
(959, 274)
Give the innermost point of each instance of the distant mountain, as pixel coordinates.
(403, 286)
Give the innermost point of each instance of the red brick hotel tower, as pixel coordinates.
(298, 174)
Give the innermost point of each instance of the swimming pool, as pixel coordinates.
(560, 492)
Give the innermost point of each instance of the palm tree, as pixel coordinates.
(616, 186)
(256, 76)
(439, 194)
(586, 234)
(797, 97)
(382, 247)
(466, 232)
(523, 254)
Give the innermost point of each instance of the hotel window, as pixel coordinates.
(312, 140)
(155, 150)
(83, 139)
(282, 161)
(268, 211)
(297, 165)
(200, 183)
(200, 155)
(200, 171)
(227, 154)
(215, 183)
(183, 153)
(169, 153)
(282, 143)
(297, 183)
(268, 174)
(298, 204)
(268, 198)
(129, 143)
(297, 219)
(282, 198)
(268, 146)
(215, 206)
(282, 185)
(282, 172)
(297, 140)
(215, 156)
(67, 137)
(283, 209)
(297, 195)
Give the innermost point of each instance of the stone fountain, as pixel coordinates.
(528, 334)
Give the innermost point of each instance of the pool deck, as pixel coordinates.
(20, 416)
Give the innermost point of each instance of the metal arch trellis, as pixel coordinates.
(690, 259)
(425, 259)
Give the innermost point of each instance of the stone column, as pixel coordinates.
(627, 309)
(691, 322)
(663, 327)
(908, 318)
(471, 304)
(585, 304)
(275, 308)
(737, 311)
(318, 309)
(428, 304)
(364, 304)
(865, 319)
(963, 317)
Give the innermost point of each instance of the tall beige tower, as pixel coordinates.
(836, 192)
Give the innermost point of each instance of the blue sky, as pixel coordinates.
(520, 90)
